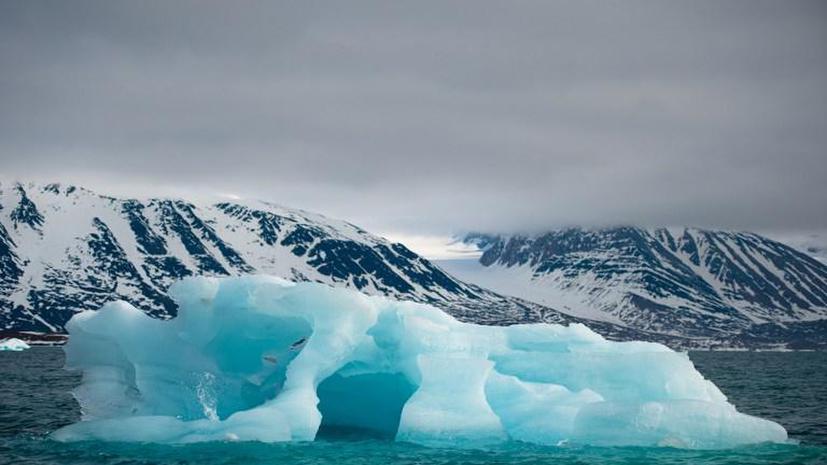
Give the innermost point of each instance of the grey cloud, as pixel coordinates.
(431, 117)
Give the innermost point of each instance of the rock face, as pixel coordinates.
(64, 249)
(693, 282)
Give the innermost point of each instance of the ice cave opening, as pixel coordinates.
(368, 404)
(250, 357)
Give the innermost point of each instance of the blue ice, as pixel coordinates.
(263, 359)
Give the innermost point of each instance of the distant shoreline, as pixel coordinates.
(59, 339)
(34, 338)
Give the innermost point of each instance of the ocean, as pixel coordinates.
(787, 387)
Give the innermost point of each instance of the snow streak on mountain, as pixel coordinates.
(689, 282)
(64, 249)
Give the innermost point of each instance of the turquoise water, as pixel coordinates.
(790, 388)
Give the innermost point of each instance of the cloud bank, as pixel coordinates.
(431, 117)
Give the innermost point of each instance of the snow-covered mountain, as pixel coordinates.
(689, 282)
(64, 249)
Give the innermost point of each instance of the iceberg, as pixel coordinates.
(259, 358)
(13, 344)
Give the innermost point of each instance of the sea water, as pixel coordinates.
(789, 388)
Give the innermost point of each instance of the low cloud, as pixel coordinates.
(431, 117)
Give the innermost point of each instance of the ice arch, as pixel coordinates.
(263, 359)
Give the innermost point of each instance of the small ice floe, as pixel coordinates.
(13, 344)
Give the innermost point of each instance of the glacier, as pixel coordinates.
(259, 358)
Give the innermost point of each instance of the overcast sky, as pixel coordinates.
(431, 118)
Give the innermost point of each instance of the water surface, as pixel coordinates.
(789, 388)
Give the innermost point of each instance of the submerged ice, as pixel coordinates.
(263, 359)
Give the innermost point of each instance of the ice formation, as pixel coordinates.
(13, 344)
(262, 359)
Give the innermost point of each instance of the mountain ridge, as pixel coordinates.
(64, 249)
(690, 280)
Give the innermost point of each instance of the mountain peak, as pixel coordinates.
(64, 249)
(690, 281)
